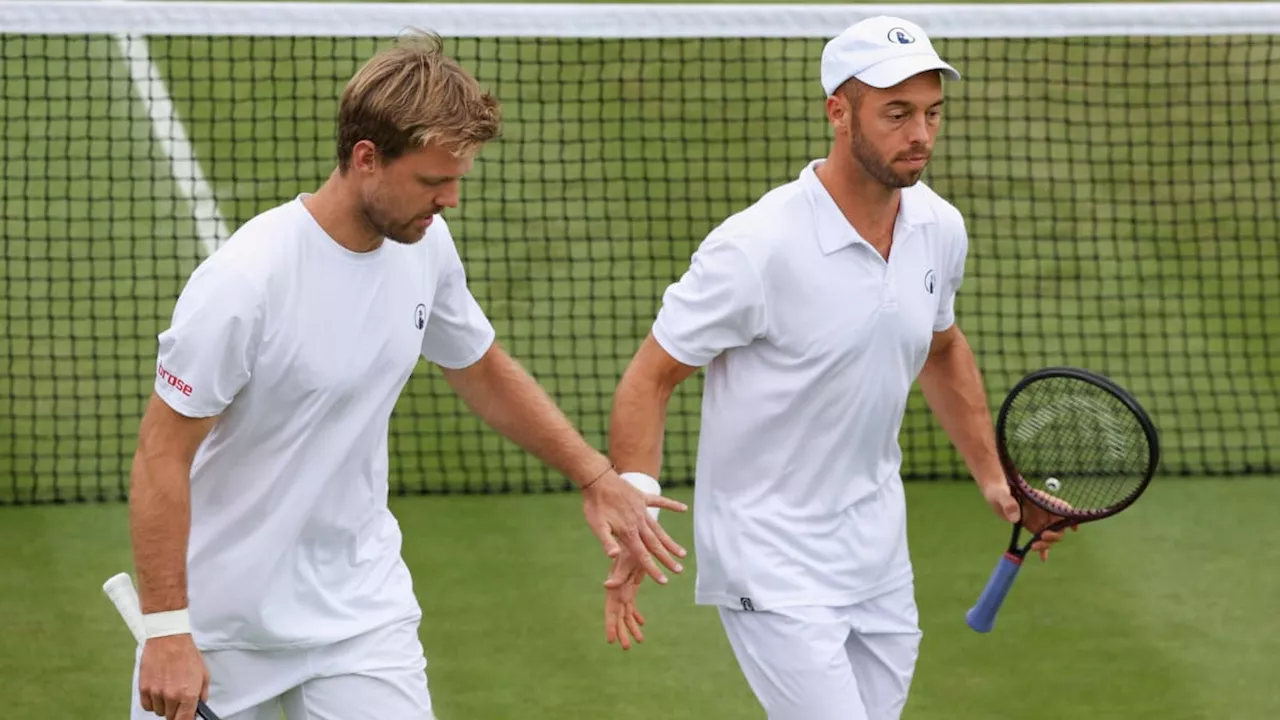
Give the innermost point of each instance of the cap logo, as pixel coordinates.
(900, 36)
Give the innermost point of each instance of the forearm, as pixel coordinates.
(953, 388)
(160, 524)
(508, 399)
(637, 424)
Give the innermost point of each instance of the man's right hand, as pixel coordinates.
(172, 677)
(616, 509)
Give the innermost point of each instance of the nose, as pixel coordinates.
(918, 129)
(448, 195)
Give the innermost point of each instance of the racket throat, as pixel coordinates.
(1012, 552)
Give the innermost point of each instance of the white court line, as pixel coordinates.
(169, 132)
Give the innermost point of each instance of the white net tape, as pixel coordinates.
(58, 17)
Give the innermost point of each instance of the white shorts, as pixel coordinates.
(829, 663)
(375, 676)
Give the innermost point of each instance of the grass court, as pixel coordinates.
(1122, 218)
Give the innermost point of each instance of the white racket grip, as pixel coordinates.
(122, 594)
(644, 484)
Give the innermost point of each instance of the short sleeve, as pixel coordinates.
(458, 333)
(206, 354)
(718, 304)
(953, 278)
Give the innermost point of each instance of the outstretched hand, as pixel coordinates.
(1034, 518)
(622, 619)
(618, 515)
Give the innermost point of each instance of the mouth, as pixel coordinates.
(915, 161)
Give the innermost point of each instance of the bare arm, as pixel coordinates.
(952, 386)
(505, 396)
(172, 674)
(160, 503)
(640, 402)
(636, 429)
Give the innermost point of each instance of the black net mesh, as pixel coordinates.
(1120, 195)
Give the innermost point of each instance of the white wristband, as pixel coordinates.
(644, 484)
(163, 624)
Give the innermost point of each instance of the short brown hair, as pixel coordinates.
(410, 95)
(853, 90)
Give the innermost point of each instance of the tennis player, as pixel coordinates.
(813, 311)
(268, 563)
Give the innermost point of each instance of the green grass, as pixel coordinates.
(1160, 613)
(1122, 218)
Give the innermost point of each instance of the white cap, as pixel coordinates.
(881, 51)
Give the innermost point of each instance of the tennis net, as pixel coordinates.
(1117, 166)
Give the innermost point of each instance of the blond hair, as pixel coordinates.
(411, 95)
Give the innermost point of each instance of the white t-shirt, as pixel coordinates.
(303, 348)
(811, 343)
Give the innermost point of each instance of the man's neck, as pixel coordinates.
(337, 211)
(869, 206)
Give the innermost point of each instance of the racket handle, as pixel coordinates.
(982, 616)
(119, 590)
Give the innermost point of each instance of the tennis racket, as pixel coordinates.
(1075, 444)
(123, 595)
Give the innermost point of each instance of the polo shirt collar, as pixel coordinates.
(834, 231)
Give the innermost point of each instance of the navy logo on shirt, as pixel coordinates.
(900, 36)
(930, 281)
(420, 316)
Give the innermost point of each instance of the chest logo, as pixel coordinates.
(420, 316)
(930, 281)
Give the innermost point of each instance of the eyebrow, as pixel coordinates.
(435, 178)
(905, 104)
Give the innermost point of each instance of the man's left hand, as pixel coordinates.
(618, 515)
(622, 619)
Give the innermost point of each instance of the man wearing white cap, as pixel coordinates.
(814, 310)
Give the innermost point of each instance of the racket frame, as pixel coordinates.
(1023, 489)
(981, 617)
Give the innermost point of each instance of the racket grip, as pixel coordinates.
(982, 616)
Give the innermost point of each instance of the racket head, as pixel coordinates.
(1084, 431)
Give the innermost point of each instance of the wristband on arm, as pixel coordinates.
(169, 622)
(644, 484)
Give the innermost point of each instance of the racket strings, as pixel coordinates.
(1076, 442)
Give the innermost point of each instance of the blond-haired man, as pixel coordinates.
(259, 487)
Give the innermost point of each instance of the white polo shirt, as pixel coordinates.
(302, 348)
(812, 342)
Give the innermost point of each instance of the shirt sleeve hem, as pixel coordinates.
(680, 354)
(176, 401)
(489, 337)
